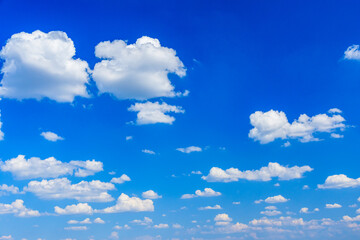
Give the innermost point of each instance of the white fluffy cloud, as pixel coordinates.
(339, 181)
(136, 71)
(34, 167)
(41, 65)
(146, 221)
(215, 207)
(264, 174)
(18, 209)
(61, 188)
(85, 221)
(50, 136)
(150, 194)
(161, 225)
(222, 217)
(274, 199)
(335, 205)
(154, 112)
(270, 212)
(80, 208)
(120, 180)
(130, 204)
(352, 53)
(6, 189)
(189, 149)
(208, 192)
(271, 125)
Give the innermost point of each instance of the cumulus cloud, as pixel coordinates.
(264, 174)
(161, 225)
(154, 112)
(120, 180)
(222, 217)
(271, 125)
(77, 228)
(50, 136)
(147, 151)
(335, 205)
(208, 192)
(339, 181)
(130, 204)
(61, 188)
(189, 149)
(215, 207)
(42, 65)
(352, 53)
(18, 209)
(146, 221)
(270, 212)
(85, 221)
(274, 199)
(136, 71)
(80, 208)
(6, 189)
(34, 167)
(150, 194)
(99, 221)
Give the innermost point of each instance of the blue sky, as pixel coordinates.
(179, 120)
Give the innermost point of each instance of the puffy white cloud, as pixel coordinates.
(222, 217)
(136, 71)
(274, 199)
(34, 167)
(352, 53)
(151, 195)
(264, 174)
(120, 180)
(304, 210)
(85, 221)
(215, 207)
(233, 228)
(336, 135)
(18, 209)
(41, 65)
(281, 221)
(61, 188)
(335, 205)
(189, 149)
(99, 221)
(339, 181)
(6, 189)
(130, 204)
(50, 136)
(271, 125)
(80, 208)
(334, 110)
(161, 225)
(208, 192)
(126, 227)
(128, 138)
(146, 221)
(114, 235)
(147, 151)
(154, 112)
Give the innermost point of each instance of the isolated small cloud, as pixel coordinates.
(161, 226)
(189, 149)
(274, 199)
(335, 205)
(150, 194)
(352, 53)
(215, 207)
(208, 192)
(50, 136)
(154, 112)
(99, 221)
(127, 138)
(18, 209)
(120, 180)
(222, 217)
(339, 181)
(147, 151)
(80, 208)
(130, 204)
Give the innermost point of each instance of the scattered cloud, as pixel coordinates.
(136, 71)
(61, 188)
(271, 125)
(150, 194)
(34, 167)
(99, 221)
(18, 209)
(222, 217)
(146, 221)
(128, 138)
(215, 207)
(80, 208)
(50, 136)
(161, 226)
(335, 205)
(120, 180)
(189, 149)
(352, 53)
(42, 65)
(264, 174)
(154, 112)
(6, 189)
(339, 181)
(130, 204)
(147, 151)
(208, 192)
(1, 132)
(77, 228)
(274, 199)
(270, 212)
